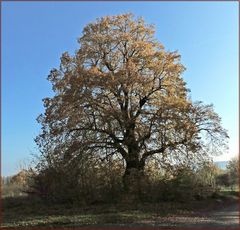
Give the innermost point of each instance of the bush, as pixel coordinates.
(15, 185)
(183, 184)
(91, 182)
(223, 180)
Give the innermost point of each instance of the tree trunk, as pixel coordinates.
(133, 177)
(134, 171)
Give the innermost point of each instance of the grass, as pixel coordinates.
(26, 212)
(22, 211)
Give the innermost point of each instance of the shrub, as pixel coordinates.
(15, 185)
(90, 182)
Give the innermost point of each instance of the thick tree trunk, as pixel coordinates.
(134, 171)
(133, 176)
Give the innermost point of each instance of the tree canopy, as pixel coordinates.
(122, 94)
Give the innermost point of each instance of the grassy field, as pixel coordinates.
(26, 212)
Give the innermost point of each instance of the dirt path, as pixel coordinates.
(226, 218)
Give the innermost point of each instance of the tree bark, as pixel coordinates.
(134, 171)
(134, 174)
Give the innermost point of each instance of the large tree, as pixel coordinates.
(122, 94)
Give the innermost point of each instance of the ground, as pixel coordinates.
(219, 212)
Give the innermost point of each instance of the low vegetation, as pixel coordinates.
(27, 212)
(165, 196)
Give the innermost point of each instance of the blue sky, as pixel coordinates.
(35, 34)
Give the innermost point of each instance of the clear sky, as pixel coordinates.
(35, 34)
